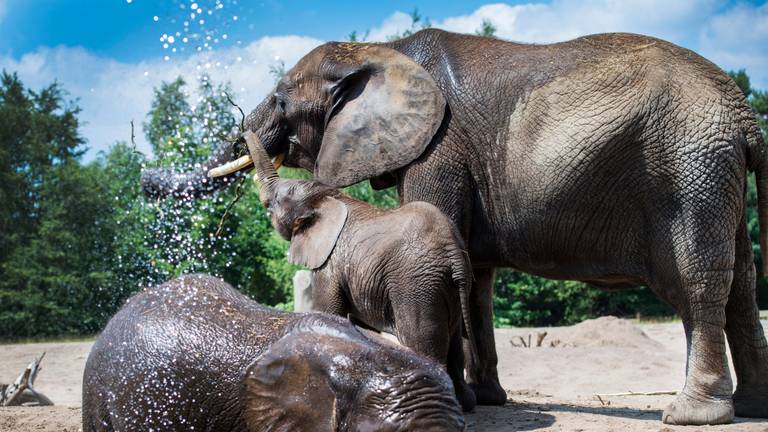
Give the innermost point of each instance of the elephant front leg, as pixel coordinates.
(482, 375)
(327, 294)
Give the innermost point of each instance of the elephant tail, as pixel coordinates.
(758, 163)
(461, 271)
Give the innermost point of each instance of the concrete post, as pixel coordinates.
(302, 291)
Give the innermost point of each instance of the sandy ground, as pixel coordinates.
(550, 388)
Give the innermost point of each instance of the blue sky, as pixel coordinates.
(110, 54)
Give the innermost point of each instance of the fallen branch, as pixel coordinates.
(11, 394)
(600, 396)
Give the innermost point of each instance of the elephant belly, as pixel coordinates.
(573, 222)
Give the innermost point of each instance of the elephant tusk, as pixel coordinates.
(230, 167)
(240, 163)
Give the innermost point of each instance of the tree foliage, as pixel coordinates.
(486, 29)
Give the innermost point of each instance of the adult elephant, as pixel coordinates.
(615, 159)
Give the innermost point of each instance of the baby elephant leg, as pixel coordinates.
(427, 330)
(327, 296)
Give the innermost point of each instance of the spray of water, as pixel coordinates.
(180, 234)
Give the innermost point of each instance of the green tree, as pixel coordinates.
(486, 29)
(52, 272)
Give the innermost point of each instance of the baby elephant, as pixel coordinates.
(403, 270)
(193, 354)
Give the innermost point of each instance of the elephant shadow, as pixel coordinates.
(531, 416)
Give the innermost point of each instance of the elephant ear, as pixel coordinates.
(288, 389)
(311, 246)
(386, 109)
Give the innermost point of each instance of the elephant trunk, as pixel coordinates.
(220, 168)
(162, 182)
(266, 169)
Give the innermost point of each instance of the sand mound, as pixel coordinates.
(608, 331)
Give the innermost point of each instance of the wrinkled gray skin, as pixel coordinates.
(402, 270)
(194, 354)
(615, 159)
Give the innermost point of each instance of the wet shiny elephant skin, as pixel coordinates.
(615, 159)
(194, 354)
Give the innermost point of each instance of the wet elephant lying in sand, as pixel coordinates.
(194, 354)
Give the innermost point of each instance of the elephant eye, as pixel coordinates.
(301, 222)
(280, 103)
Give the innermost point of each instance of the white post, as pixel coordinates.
(302, 291)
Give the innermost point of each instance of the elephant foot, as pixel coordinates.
(489, 393)
(751, 402)
(466, 396)
(686, 410)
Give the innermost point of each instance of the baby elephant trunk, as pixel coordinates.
(266, 173)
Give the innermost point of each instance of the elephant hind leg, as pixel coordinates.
(706, 397)
(483, 376)
(745, 335)
(427, 329)
(697, 284)
(455, 365)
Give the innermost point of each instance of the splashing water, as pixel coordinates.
(179, 233)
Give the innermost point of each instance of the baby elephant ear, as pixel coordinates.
(386, 109)
(286, 390)
(312, 245)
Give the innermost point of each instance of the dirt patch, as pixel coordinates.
(43, 419)
(550, 388)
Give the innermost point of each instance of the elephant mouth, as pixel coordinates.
(241, 163)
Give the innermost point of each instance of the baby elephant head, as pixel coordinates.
(305, 212)
(325, 378)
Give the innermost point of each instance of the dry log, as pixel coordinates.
(14, 394)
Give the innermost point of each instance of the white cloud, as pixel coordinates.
(731, 36)
(111, 93)
(566, 19)
(397, 23)
(738, 39)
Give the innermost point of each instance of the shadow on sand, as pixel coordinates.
(530, 416)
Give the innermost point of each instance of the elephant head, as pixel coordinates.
(346, 112)
(322, 378)
(305, 212)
